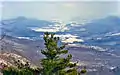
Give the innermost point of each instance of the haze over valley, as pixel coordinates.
(90, 30)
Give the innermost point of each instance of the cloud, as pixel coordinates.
(60, 10)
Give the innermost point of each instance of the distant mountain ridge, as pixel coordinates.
(100, 46)
(97, 32)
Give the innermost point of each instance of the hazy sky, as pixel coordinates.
(60, 10)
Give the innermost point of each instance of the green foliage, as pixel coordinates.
(83, 71)
(15, 71)
(20, 69)
(54, 64)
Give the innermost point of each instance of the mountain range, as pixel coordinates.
(95, 43)
(104, 31)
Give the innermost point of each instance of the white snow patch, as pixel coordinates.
(97, 48)
(113, 34)
(23, 37)
(72, 40)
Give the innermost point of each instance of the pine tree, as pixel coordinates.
(53, 63)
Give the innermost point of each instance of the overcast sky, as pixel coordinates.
(60, 10)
